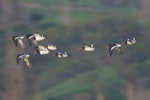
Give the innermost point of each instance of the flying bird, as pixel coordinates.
(86, 47)
(62, 54)
(42, 50)
(52, 47)
(24, 58)
(34, 37)
(58, 54)
(65, 54)
(112, 47)
(18, 40)
(130, 41)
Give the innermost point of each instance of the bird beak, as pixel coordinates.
(80, 49)
(106, 46)
(10, 38)
(54, 55)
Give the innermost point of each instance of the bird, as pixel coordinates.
(130, 41)
(114, 46)
(28, 36)
(25, 58)
(65, 54)
(86, 47)
(18, 40)
(34, 37)
(42, 50)
(52, 47)
(62, 54)
(58, 54)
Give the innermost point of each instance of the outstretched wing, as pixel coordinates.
(29, 40)
(120, 50)
(85, 45)
(18, 59)
(111, 51)
(21, 43)
(36, 34)
(35, 42)
(15, 42)
(27, 62)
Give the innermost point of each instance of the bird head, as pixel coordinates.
(92, 45)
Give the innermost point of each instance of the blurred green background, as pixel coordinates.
(69, 24)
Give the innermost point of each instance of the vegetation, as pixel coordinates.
(92, 75)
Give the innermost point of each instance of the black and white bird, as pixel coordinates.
(62, 54)
(34, 38)
(18, 40)
(24, 58)
(130, 41)
(42, 50)
(86, 47)
(65, 54)
(58, 54)
(52, 47)
(112, 47)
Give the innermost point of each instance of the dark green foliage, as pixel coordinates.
(36, 16)
(63, 79)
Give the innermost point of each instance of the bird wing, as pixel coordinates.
(43, 52)
(15, 42)
(30, 37)
(18, 59)
(111, 51)
(21, 43)
(113, 47)
(51, 47)
(120, 50)
(27, 62)
(85, 45)
(41, 47)
(29, 41)
(35, 42)
(36, 34)
(32, 41)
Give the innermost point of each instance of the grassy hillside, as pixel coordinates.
(90, 75)
(83, 83)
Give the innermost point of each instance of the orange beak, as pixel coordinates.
(10, 38)
(54, 55)
(106, 46)
(80, 48)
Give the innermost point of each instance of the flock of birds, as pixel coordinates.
(42, 50)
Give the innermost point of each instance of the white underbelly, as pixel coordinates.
(44, 52)
(52, 48)
(38, 38)
(89, 49)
